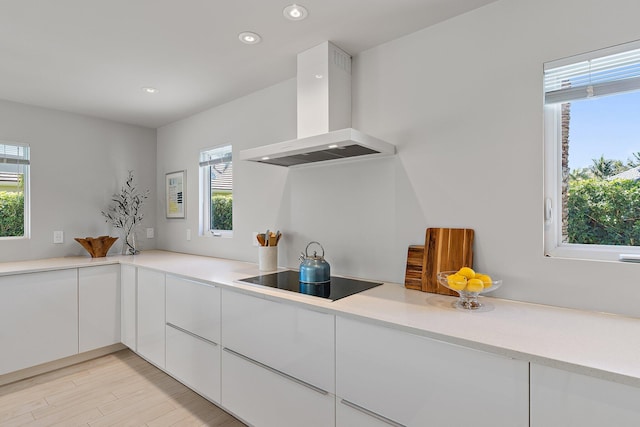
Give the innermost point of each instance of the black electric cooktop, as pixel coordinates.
(339, 287)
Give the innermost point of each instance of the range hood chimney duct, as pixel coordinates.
(324, 115)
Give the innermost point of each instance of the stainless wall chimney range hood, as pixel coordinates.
(324, 116)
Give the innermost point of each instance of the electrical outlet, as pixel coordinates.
(188, 234)
(58, 237)
(150, 233)
(254, 239)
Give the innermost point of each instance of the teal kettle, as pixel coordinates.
(314, 269)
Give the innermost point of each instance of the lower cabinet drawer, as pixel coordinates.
(418, 381)
(291, 339)
(194, 361)
(194, 306)
(561, 398)
(352, 415)
(264, 397)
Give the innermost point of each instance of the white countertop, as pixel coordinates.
(36, 265)
(602, 345)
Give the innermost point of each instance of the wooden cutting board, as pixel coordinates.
(444, 249)
(413, 274)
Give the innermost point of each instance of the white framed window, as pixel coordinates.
(14, 190)
(216, 192)
(592, 155)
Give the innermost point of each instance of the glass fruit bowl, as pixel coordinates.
(468, 300)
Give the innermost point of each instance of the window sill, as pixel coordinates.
(592, 252)
(218, 234)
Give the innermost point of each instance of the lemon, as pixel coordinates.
(486, 280)
(467, 272)
(475, 285)
(456, 281)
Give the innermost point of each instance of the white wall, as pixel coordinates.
(260, 192)
(77, 163)
(462, 102)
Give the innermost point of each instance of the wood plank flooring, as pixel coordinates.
(120, 389)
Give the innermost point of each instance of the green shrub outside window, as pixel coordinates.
(604, 212)
(222, 209)
(11, 214)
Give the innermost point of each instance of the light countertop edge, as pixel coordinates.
(600, 345)
(51, 264)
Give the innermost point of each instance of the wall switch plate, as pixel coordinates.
(58, 237)
(188, 234)
(254, 239)
(150, 233)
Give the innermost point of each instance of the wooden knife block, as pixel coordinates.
(444, 249)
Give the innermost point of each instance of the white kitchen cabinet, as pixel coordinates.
(99, 306)
(151, 316)
(128, 308)
(417, 381)
(193, 335)
(38, 318)
(266, 398)
(290, 339)
(561, 398)
(194, 306)
(194, 361)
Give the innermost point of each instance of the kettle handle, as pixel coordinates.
(307, 248)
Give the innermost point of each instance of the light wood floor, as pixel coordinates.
(119, 389)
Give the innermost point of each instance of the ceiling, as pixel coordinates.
(93, 57)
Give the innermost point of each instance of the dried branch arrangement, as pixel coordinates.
(126, 212)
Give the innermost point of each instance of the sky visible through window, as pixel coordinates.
(608, 126)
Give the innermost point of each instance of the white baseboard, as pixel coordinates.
(57, 364)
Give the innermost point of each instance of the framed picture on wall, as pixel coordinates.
(176, 197)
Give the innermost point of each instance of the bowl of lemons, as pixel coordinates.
(469, 284)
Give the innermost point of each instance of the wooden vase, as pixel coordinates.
(97, 246)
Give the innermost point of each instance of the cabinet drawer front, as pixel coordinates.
(194, 362)
(293, 340)
(417, 381)
(39, 318)
(194, 306)
(267, 399)
(574, 400)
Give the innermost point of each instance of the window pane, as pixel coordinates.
(222, 197)
(217, 191)
(11, 205)
(603, 152)
(14, 164)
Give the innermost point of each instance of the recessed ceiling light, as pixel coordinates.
(333, 146)
(149, 89)
(265, 158)
(295, 12)
(249, 37)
